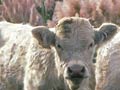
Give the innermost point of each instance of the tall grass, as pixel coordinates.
(48, 12)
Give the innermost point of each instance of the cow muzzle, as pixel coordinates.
(76, 73)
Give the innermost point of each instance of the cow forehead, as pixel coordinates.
(75, 28)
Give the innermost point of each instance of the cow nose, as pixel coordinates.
(76, 71)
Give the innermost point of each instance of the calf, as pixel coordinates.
(14, 42)
(62, 60)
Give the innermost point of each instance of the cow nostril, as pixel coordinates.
(82, 70)
(69, 70)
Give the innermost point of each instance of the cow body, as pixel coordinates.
(108, 65)
(14, 42)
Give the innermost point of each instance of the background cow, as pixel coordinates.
(14, 42)
(108, 65)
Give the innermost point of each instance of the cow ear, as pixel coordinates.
(44, 36)
(105, 33)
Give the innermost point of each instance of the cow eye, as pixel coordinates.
(59, 46)
(90, 45)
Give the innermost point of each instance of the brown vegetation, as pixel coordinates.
(48, 12)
